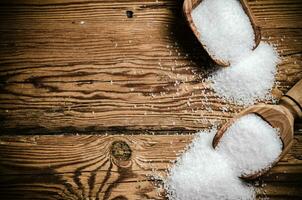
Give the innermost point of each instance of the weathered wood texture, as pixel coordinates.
(83, 167)
(81, 65)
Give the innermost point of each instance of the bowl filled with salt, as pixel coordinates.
(213, 165)
(226, 29)
(265, 132)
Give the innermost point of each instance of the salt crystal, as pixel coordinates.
(251, 144)
(202, 173)
(250, 79)
(225, 29)
(248, 146)
(228, 36)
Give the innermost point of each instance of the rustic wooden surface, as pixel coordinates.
(82, 66)
(79, 167)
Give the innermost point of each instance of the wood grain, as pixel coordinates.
(84, 66)
(83, 167)
(293, 100)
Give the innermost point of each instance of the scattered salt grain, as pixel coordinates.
(202, 173)
(248, 146)
(225, 29)
(248, 80)
(251, 144)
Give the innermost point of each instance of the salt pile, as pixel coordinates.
(251, 144)
(225, 29)
(204, 173)
(227, 34)
(250, 79)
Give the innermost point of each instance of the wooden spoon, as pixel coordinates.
(188, 7)
(278, 116)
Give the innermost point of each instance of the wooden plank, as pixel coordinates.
(271, 13)
(277, 13)
(30, 62)
(82, 167)
(84, 66)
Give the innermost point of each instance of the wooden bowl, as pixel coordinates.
(278, 116)
(188, 7)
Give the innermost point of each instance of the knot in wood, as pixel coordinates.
(120, 150)
(129, 13)
(120, 198)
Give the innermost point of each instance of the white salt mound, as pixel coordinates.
(250, 79)
(251, 144)
(227, 34)
(248, 146)
(224, 28)
(202, 173)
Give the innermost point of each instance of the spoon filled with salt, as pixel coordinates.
(280, 117)
(226, 29)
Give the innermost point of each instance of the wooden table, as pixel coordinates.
(95, 95)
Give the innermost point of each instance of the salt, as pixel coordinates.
(225, 29)
(227, 34)
(251, 144)
(202, 172)
(248, 80)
